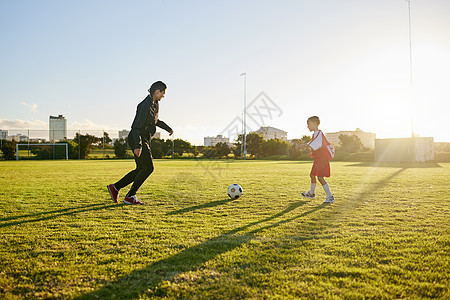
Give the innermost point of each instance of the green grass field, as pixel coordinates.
(386, 236)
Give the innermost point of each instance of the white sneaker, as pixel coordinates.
(309, 195)
(132, 200)
(329, 199)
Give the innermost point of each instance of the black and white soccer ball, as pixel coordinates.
(235, 191)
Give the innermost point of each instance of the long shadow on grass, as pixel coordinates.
(49, 212)
(366, 193)
(54, 214)
(196, 207)
(147, 280)
(373, 187)
(378, 185)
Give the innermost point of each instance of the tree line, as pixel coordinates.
(257, 147)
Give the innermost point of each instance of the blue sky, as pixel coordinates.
(345, 61)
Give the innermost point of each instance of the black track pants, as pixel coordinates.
(144, 167)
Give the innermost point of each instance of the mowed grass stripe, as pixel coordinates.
(386, 236)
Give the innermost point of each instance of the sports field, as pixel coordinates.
(386, 236)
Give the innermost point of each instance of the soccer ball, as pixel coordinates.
(235, 191)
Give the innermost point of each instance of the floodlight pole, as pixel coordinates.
(411, 80)
(410, 64)
(79, 144)
(244, 129)
(410, 44)
(28, 148)
(103, 144)
(242, 138)
(173, 147)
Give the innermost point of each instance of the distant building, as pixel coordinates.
(57, 128)
(417, 149)
(123, 134)
(367, 138)
(270, 133)
(18, 138)
(3, 134)
(212, 141)
(37, 140)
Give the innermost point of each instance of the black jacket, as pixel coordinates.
(145, 122)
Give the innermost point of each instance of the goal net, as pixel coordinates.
(42, 151)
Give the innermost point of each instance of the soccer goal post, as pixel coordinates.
(42, 151)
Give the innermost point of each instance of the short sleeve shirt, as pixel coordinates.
(316, 141)
(319, 152)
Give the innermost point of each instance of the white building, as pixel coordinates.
(270, 133)
(123, 134)
(157, 135)
(3, 134)
(57, 128)
(212, 141)
(367, 138)
(18, 138)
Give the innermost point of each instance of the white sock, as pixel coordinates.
(312, 190)
(327, 190)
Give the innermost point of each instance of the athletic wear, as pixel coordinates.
(321, 168)
(321, 147)
(322, 152)
(113, 192)
(145, 122)
(326, 188)
(132, 200)
(329, 199)
(144, 167)
(309, 195)
(321, 165)
(143, 127)
(316, 144)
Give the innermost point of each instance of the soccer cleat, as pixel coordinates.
(329, 199)
(113, 192)
(132, 200)
(309, 195)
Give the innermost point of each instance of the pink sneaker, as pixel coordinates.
(132, 200)
(113, 192)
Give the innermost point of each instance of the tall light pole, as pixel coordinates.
(410, 67)
(244, 127)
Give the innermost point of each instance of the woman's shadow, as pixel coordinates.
(146, 280)
(47, 215)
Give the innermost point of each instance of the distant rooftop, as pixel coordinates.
(270, 129)
(58, 117)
